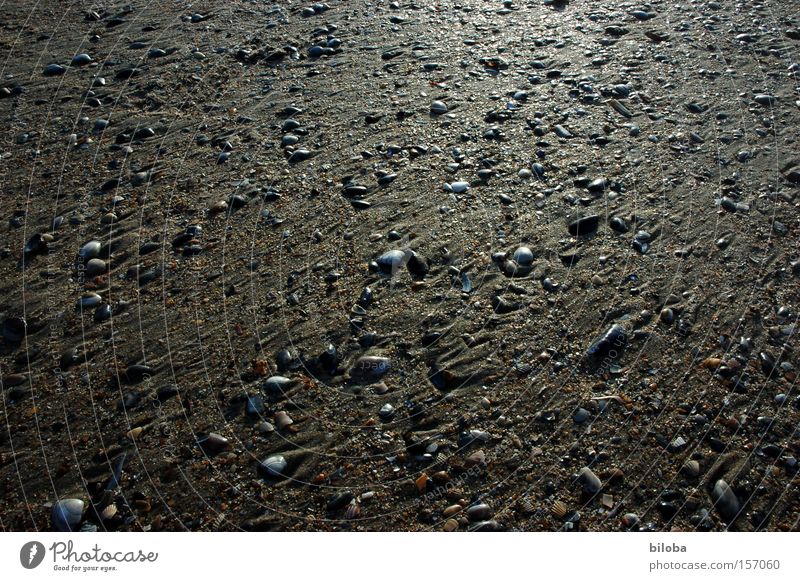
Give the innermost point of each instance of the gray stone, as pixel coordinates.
(66, 514)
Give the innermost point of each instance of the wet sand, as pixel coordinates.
(509, 181)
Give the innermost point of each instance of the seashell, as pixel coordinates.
(379, 388)
(353, 510)
(613, 341)
(630, 520)
(142, 505)
(108, 512)
(283, 420)
(711, 363)
(213, 443)
(559, 509)
(274, 466)
(135, 433)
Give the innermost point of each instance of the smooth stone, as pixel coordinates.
(66, 514)
(53, 70)
(82, 59)
(90, 250)
(597, 186)
(458, 187)
(765, 99)
(523, 256)
(630, 520)
(274, 466)
(725, 501)
(14, 329)
(254, 406)
(95, 266)
(438, 108)
(370, 366)
(562, 132)
(299, 155)
(614, 340)
(387, 412)
(102, 313)
(136, 373)
(276, 385)
(290, 124)
(479, 512)
(580, 416)
(89, 300)
(617, 224)
(584, 225)
(452, 510)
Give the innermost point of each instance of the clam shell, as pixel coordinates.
(559, 509)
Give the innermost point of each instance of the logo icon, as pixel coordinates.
(31, 555)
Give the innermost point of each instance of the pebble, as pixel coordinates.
(53, 70)
(67, 514)
(81, 59)
(95, 267)
(452, 510)
(438, 108)
(597, 186)
(90, 250)
(580, 416)
(14, 329)
(617, 224)
(523, 256)
(458, 187)
(89, 300)
(299, 155)
(765, 99)
(479, 512)
(387, 412)
(370, 367)
(611, 343)
(102, 313)
(630, 520)
(725, 501)
(584, 225)
(277, 385)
